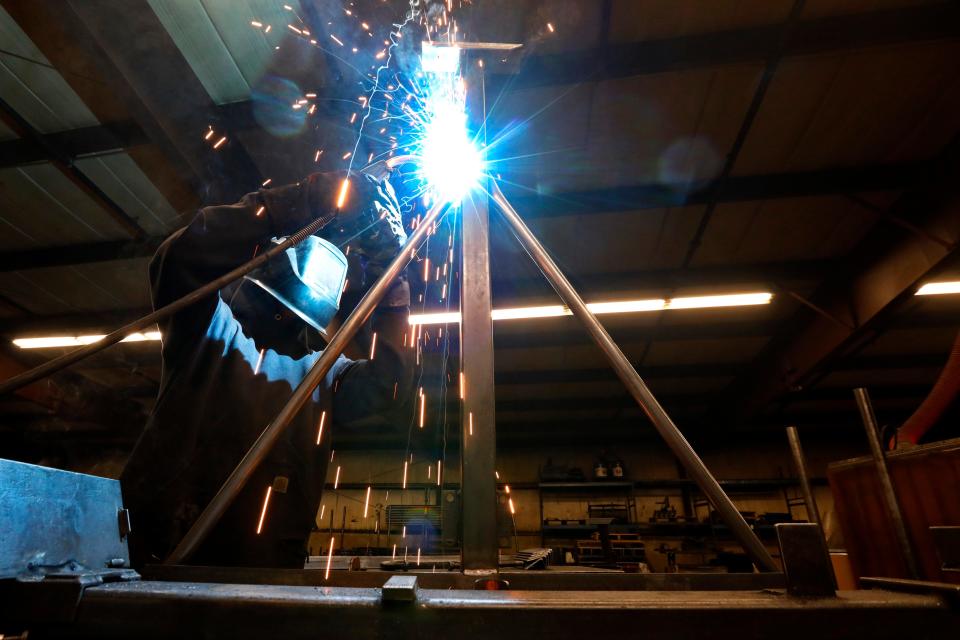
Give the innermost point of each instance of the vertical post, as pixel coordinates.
(801, 464)
(478, 426)
(886, 484)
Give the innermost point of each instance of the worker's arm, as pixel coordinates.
(221, 238)
(372, 387)
(380, 386)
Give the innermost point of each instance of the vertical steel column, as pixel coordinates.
(801, 464)
(638, 388)
(478, 432)
(886, 484)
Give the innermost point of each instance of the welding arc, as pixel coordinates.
(67, 359)
(637, 387)
(301, 395)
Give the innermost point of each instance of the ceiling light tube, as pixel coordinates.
(49, 342)
(939, 288)
(601, 308)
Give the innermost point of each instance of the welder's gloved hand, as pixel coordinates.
(371, 225)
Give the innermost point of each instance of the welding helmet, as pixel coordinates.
(308, 279)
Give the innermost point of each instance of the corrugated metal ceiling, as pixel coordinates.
(33, 88)
(215, 36)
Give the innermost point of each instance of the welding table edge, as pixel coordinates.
(543, 580)
(152, 608)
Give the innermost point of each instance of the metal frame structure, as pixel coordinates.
(480, 549)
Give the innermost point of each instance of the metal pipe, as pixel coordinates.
(48, 368)
(638, 389)
(886, 484)
(252, 459)
(800, 462)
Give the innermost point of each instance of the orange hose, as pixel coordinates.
(939, 399)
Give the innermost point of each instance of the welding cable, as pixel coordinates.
(67, 359)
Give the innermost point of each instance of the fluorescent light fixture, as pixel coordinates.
(79, 341)
(939, 288)
(520, 313)
(710, 302)
(599, 308)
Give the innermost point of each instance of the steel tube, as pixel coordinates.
(264, 443)
(800, 462)
(478, 424)
(886, 484)
(638, 389)
(67, 359)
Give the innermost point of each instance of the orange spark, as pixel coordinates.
(263, 512)
(342, 196)
(323, 418)
(326, 574)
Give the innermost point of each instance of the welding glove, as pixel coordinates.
(368, 228)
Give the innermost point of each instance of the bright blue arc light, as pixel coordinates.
(450, 163)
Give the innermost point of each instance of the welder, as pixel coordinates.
(230, 362)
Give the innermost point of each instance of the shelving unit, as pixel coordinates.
(624, 490)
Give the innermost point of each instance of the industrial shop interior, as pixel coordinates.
(400, 319)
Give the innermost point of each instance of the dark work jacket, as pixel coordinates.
(214, 401)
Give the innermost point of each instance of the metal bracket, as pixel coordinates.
(399, 589)
(806, 561)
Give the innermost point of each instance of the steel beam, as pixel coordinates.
(819, 35)
(639, 197)
(150, 609)
(882, 272)
(836, 181)
(478, 422)
(71, 255)
(87, 141)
